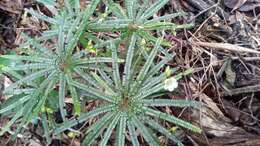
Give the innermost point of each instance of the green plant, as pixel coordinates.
(137, 16)
(55, 66)
(43, 69)
(129, 101)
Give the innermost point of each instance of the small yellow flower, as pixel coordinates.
(143, 42)
(140, 27)
(2, 66)
(43, 109)
(90, 47)
(72, 134)
(49, 110)
(174, 129)
(168, 71)
(170, 84)
(46, 109)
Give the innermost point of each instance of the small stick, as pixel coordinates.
(247, 89)
(226, 46)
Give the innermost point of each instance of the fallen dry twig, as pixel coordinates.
(226, 46)
(247, 89)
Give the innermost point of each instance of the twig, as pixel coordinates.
(247, 58)
(247, 89)
(226, 46)
(203, 11)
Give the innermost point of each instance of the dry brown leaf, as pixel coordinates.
(212, 118)
(208, 101)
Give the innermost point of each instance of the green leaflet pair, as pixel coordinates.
(128, 96)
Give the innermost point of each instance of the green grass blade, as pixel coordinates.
(92, 91)
(158, 66)
(153, 39)
(22, 91)
(80, 54)
(34, 42)
(68, 5)
(140, 11)
(164, 26)
(117, 10)
(74, 95)
(29, 78)
(62, 93)
(51, 83)
(109, 130)
(172, 119)
(49, 34)
(46, 128)
(121, 131)
(28, 66)
(164, 131)
(146, 93)
(132, 133)
(77, 6)
(97, 60)
(96, 129)
(4, 64)
(144, 131)
(171, 102)
(165, 17)
(26, 58)
(148, 63)
(103, 85)
(102, 44)
(129, 59)
(11, 122)
(151, 82)
(27, 113)
(73, 29)
(105, 77)
(131, 6)
(86, 14)
(86, 77)
(34, 76)
(153, 9)
(42, 16)
(61, 37)
(115, 66)
(111, 25)
(84, 117)
(50, 77)
(14, 104)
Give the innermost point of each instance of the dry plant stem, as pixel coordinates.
(226, 46)
(247, 89)
(202, 24)
(201, 12)
(247, 58)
